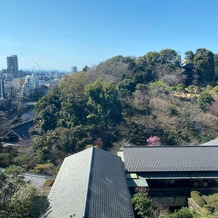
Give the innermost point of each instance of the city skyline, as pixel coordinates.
(61, 34)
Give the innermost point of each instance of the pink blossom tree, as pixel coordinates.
(98, 142)
(153, 141)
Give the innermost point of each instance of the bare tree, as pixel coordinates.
(109, 71)
(167, 74)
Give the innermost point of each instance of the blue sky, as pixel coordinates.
(59, 34)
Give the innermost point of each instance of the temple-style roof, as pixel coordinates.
(171, 159)
(21, 131)
(188, 66)
(90, 184)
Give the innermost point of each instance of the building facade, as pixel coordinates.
(12, 67)
(74, 69)
(171, 173)
(1, 88)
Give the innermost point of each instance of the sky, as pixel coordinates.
(59, 34)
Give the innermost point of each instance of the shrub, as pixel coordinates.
(204, 100)
(197, 198)
(182, 213)
(206, 199)
(46, 168)
(141, 204)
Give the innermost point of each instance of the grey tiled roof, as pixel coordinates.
(108, 195)
(23, 129)
(171, 159)
(90, 184)
(68, 194)
(211, 143)
(35, 179)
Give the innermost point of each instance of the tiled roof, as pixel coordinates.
(68, 194)
(91, 184)
(188, 66)
(35, 179)
(23, 129)
(108, 194)
(171, 159)
(211, 143)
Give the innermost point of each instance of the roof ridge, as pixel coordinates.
(176, 146)
(89, 179)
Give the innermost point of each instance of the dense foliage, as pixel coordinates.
(141, 204)
(208, 205)
(17, 197)
(149, 100)
(124, 100)
(129, 99)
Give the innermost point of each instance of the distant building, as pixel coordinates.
(1, 88)
(188, 73)
(17, 84)
(8, 88)
(73, 69)
(4, 73)
(19, 132)
(31, 83)
(12, 67)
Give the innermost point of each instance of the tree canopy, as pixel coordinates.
(17, 197)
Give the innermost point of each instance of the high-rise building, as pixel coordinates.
(12, 66)
(1, 88)
(73, 69)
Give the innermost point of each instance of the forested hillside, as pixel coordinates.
(126, 100)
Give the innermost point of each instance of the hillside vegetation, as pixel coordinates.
(126, 100)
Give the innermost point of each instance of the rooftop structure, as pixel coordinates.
(171, 159)
(19, 132)
(171, 173)
(90, 184)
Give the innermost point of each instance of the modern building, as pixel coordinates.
(17, 84)
(12, 67)
(73, 69)
(31, 83)
(2, 95)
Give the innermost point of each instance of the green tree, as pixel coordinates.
(170, 57)
(47, 110)
(22, 200)
(86, 68)
(216, 66)
(141, 204)
(73, 101)
(204, 100)
(182, 213)
(104, 104)
(16, 195)
(204, 63)
(152, 58)
(189, 56)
